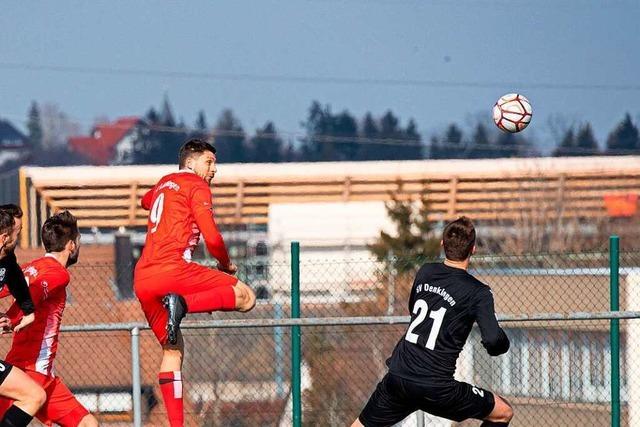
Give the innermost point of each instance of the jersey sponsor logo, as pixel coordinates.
(3, 272)
(31, 271)
(170, 185)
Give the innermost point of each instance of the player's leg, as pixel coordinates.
(63, 408)
(457, 401)
(170, 375)
(203, 290)
(27, 395)
(501, 414)
(245, 297)
(170, 380)
(388, 405)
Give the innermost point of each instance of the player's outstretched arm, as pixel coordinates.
(494, 339)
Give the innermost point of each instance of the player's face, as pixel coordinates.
(205, 166)
(11, 241)
(74, 247)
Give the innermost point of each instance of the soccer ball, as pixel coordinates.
(512, 112)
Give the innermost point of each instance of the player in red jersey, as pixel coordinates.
(34, 349)
(26, 394)
(166, 282)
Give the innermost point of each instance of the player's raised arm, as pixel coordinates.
(494, 339)
(203, 213)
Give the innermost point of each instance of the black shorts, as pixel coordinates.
(5, 368)
(396, 398)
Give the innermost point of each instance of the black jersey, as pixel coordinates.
(12, 277)
(444, 304)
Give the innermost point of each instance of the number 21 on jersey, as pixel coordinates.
(422, 309)
(156, 212)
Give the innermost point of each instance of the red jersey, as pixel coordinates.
(34, 348)
(180, 209)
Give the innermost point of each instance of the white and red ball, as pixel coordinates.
(512, 112)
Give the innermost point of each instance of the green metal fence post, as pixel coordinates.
(614, 286)
(296, 357)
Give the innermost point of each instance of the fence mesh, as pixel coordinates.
(556, 372)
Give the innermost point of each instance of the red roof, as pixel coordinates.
(100, 147)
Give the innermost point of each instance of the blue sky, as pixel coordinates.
(435, 61)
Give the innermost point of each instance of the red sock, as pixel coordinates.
(171, 387)
(221, 298)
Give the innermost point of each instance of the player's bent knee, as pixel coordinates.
(245, 297)
(39, 396)
(502, 411)
(88, 421)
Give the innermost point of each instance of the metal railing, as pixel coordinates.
(572, 361)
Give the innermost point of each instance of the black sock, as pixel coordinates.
(15, 417)
(493, 424)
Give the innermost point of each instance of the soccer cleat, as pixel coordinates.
(177, 309)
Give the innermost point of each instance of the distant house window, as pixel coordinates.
(570, 366)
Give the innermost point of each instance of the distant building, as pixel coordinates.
(13, 143)
(111, 143)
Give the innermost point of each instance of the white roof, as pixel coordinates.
(432, 168)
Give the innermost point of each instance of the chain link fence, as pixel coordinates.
(557, 372)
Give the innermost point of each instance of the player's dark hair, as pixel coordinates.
(7, 214)
(458, 239)
(59, 229)
(192, 148)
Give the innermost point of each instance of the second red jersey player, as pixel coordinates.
(34, 349)
(167, 283)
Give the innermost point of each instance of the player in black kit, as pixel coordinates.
(445, 302)
(26, 394)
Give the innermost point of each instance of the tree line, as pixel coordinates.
(325, 136)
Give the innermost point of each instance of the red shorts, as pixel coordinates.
(61, 406)
(204, 290)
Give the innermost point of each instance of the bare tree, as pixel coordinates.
(57, 127)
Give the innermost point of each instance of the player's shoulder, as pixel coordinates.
(428, 268)
(187, 180)
(8, 260)
(481, 288)
(44, 267)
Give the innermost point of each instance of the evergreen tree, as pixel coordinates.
(413, 149)
(370, 150)
(586, 142)
(414, 240)
(318, 145)
(201, 122)
(480, 145)
(152, 116)
(266, 145)
(230, 139)
(624, 138)
(345, 131)
(166, 113)
(34, 127)
(453, 145)
(567, 146)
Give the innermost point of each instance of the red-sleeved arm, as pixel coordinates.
(43, 286)
(203, 213)
(146, 199)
